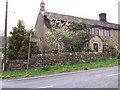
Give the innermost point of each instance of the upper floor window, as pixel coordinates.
(104, 32)
(92, 31)
(101, 33)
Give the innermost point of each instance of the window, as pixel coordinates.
(92, 31)
(101, 32)
(106, 32)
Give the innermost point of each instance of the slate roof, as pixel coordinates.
(97, 23)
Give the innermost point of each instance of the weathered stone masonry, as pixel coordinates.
(54, 59)
(101, 28)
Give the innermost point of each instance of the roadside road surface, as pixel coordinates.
(94, 78)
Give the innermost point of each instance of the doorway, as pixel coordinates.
(95, 47)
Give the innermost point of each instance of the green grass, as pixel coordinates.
(104, 62)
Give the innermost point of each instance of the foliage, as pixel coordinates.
(109, 49)
(119, 55)
(77, 42)
(112, 50)
(66, 25)
(118, 51)
(57, 36)
(1, 50)
(24, 49)
(88, 50)
(63, 32)
(19, 42)
(78, 25)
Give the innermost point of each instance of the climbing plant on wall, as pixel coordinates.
(72, 34)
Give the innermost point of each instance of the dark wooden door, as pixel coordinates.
(95, 46)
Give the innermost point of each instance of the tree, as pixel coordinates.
(78, 41)
(57, 37)
(23, 54)
(18, 43)
(62, 32)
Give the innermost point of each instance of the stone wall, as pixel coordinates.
(97, 40)
(54, 59)
(112, 40)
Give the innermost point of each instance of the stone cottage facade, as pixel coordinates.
(104, 33)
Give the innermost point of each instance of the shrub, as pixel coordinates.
(112, 50)
(118, 54)
(62, 37)
(88, 50)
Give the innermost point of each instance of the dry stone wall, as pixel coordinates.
(54, 59)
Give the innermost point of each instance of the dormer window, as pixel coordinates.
(92, 31)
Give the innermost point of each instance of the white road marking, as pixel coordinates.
(41, 87)
(46, 86)
(113, 74)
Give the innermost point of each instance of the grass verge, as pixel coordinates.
(103, 62)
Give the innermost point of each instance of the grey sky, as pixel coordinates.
(28, 10)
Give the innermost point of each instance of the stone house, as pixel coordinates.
(103, 33)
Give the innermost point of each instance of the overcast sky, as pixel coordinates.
(28, 10)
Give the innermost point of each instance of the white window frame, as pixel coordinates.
(101, 32)
(92, 31)
(106, 32)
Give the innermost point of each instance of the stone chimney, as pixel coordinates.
(102, 17)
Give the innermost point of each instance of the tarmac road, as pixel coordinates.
(94, 78)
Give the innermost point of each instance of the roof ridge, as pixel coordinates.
(81, 18)
(92, 22)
